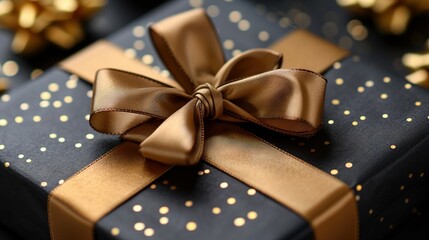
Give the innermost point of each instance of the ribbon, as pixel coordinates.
(418, 63)
(243, 89)
(175, 124)
(390, 16)
(38, 22)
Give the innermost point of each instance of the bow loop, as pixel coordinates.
(247, 88)
(211, 100)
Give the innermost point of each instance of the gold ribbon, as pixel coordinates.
(390, 16)
(419, 64)
(38, 22)
(169, 123)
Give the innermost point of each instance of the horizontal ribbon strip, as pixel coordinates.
(325, 202)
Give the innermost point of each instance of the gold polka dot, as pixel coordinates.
(223, 185)
(339, 81)
(393, 146)
(71, 84)
(53, 87)
(149, 232)
(43, 149)
(139, 45)
(331, 122)
(5, 98)
(6, 164)
(45, 95)
(231, 201)
(410, 175)
(385, 115)
(422, 174)
(369, 83)
(358, 187)
(2, 147)
(57, 104)
(137, 208)
(61, 182)
(236, 52)
(52, 135)
(251, 191)
(381, 219)
(384, 96)
(335, 102)
(337, 65)
(263, 36)
(407, 200)
(235, 16)
(228, 44)
(87, 117)
(284, 22)
(130, 53)
(61, 139)
(239, 222)
(361, 89)
(244, 25)
(391, 226)
(409, 119)
(334, 172)
(147, 59)
(115, 231)
(206, 171)
(191, 226)
(152, 186)
(64, 118)
(28, 160)
(363, 118)
(349, 165)
(418, 103)
(43, 184)
(89, 94)
(196, 3)
(216, 210)
(165, 182)
(21, 156)
(138, 31)
(139, 226)
(44, 104)
(173, 187)
(408, 86)
(326, 142)
(313, 150)
(37, 119)
(200, 173)
(213, 11)
(19, 119)
(387, 79)
(371, 211)
(164, 210)
(68, 99)
(355, 123)
(189, 203)
(252, 215)
(89, 136)
(163, 220)
(3, 122)
(10, 68)
(347, 112)
(402, 187)
(24, 106)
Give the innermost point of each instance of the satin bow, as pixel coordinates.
(247, 88)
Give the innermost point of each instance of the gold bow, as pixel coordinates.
(390, 16)
(38, 22)
(247, 88)
(419, 64)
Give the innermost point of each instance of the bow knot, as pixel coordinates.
(169, 126)
(211, 100)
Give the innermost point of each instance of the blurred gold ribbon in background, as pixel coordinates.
(38, 22)
(419, 64)
(390, 16)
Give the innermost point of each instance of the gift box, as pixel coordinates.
(373, 140)
(18, 69)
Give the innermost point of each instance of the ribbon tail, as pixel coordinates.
(179, 139)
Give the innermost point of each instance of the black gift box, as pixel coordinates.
(374, 139)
